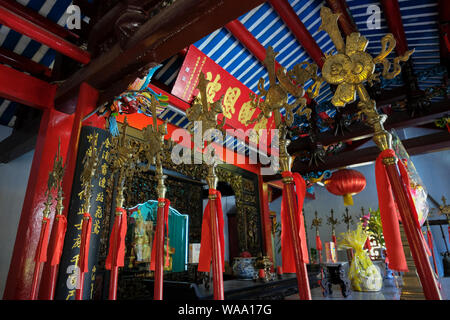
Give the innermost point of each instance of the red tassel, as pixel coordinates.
(287, 251)
(166, 223)
(318, 243)
(389, 216)
(430, 245)
(116, 251)
(86, 229)
(61, 228)
(333, 237)
(41, 253)
(367, 244)
(205, 256)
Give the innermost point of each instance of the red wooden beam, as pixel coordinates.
(345, 20)
(20, 87)
(20, 62)
(251, 43)
(391, 10)
(36, 18)
(41, 35)
(290, 18)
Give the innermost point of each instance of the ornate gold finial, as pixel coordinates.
(124, 156)
(54, 180)
(154, 147)
(206, 114)
(316, 222)
(351, 67)
(90, 165)
(332, 222)
(347, 219)
(275, 99)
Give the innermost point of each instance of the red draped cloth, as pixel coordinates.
(389, 214)
(86, 228)
(61, 228)
(287, 250)
(41, 252)
(205, 256)
(116, 251)
(166, 224)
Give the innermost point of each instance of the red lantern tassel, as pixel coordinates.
(367, 244)
(287, 251)
(116, 251)
(83, 260)
(318, 243)
(166, 223)
(389, 216)
(333, 237)
(212, 243)
(61, 228)
(430, 245)
(41, 255)
(157, 264)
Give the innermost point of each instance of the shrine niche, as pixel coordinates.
(187, 181)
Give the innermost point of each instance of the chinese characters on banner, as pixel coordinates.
(236, 96)
(68, 271)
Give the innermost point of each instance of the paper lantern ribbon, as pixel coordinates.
(41, 253)
(116, 251)
(205, 256)
(86, 227)
(166, 224)
(60, 232)
(287, 250)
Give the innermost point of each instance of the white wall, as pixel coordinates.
(13, 184)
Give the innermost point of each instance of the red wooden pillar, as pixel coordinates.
(87, 101)
(265, 218)
(54, 126)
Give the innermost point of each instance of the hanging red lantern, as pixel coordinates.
(346, 182)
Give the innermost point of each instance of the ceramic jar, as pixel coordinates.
(244, 268)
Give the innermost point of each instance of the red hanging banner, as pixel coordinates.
(236, 96)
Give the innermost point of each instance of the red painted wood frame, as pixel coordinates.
(55, 126)
(41, 35)
(20, 87)
(36, 18)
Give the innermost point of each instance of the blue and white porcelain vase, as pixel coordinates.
(244, 268)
